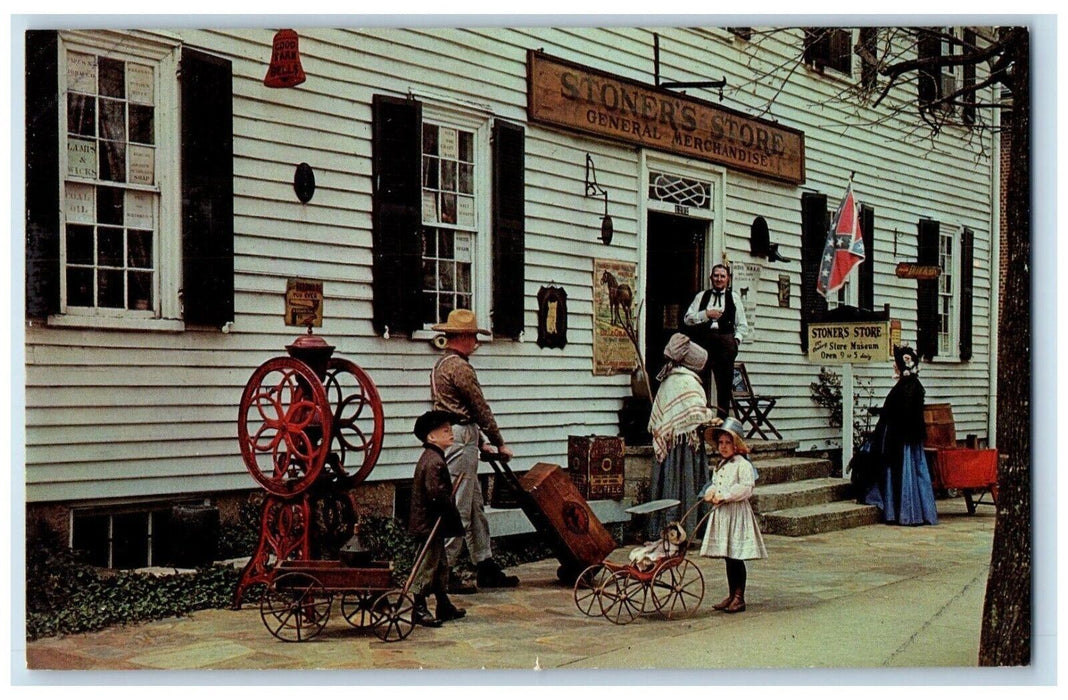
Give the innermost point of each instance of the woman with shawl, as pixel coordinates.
(900, 483)
(679, 412)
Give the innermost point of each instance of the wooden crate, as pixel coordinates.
(558, 510)
(595, 464)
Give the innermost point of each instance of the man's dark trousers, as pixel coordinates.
(722, 350)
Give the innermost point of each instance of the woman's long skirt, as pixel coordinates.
(680, 475)
(905, 495)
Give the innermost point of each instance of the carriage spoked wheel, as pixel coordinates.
(622, 597)
(393, 616)
(295, 607)
(588, 589)
(358, 418)
(358, 608)
(678, 589)
(281, 425)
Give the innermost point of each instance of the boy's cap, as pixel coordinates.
(432, 420)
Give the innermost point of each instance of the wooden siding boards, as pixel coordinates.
(127, 413)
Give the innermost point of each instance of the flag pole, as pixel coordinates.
(847, 418)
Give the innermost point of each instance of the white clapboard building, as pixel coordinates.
(165, 216)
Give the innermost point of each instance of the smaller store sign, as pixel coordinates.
(852, 342)
(304, 302)
(914, 271)
(745, 280)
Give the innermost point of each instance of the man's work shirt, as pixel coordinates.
(695, 315)
(454, 387)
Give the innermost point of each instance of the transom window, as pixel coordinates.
(679, 190)
(450, 219)
(111, 192)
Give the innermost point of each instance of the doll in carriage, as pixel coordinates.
(672, 541)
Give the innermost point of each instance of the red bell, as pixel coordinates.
(285, 69)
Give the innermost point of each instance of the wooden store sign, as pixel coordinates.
(852, 342)
(569, 95)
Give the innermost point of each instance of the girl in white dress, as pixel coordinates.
(733, 532)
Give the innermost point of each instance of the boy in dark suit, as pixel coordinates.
(431, 500)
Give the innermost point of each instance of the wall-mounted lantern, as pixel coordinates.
(285, 69)
(595, 190)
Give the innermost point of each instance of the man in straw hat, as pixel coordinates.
(454, 388)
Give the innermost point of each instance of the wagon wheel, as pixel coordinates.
(622, 597)
(283, 416)
(393, 616)
(678, 589)
(359, 608)
(358, 420)
(588, 589)
(295, 607)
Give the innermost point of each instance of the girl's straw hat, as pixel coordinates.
(733, 427)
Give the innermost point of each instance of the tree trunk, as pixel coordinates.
(1006, 633)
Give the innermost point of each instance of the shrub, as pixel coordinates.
(66, 596)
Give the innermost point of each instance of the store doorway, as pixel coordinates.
(675, 261)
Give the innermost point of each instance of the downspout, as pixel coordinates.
(995, 277)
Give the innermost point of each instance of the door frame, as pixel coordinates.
(649, 161)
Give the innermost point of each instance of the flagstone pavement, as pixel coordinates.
(871, 597)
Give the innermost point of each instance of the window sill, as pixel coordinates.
(165, 325)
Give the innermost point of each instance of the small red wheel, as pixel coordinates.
(678, 588)
(295, 607)
(393, 616)
(358, 608)
(358, 419)
(283, 418)
(622, 597)
(588, 588)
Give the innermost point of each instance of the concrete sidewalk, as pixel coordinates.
(869, 597)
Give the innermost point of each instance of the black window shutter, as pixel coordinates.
(508, 228)
(207, 154)
(928, 46)
(42, 174)
(814, 224)
(967, 255)
(968, 112)
(866, 291)
(927, 292)
(396, 155)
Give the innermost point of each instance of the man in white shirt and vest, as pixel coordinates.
(716, 321)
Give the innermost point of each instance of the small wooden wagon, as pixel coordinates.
(297, 603)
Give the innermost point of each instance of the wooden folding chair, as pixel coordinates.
(751, 409)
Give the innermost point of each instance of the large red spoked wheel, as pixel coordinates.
(283, 418)
(358, 420)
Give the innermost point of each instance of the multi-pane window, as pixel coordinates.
(829, 47)
(449, 219)
(948, 80)
(111, 192)
(947, 298)
(122, 540)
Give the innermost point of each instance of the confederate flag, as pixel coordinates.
(845, 246)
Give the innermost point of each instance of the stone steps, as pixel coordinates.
(799, 495)
(814, 519)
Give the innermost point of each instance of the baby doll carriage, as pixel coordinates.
(658, 577)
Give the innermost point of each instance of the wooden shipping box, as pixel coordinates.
(595, 464)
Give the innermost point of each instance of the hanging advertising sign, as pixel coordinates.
(569, 95)
(304, 302)
(745, 280)
(613, 306)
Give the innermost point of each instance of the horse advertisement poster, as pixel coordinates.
(613, 311)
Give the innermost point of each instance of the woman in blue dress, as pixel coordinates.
(902, 483)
